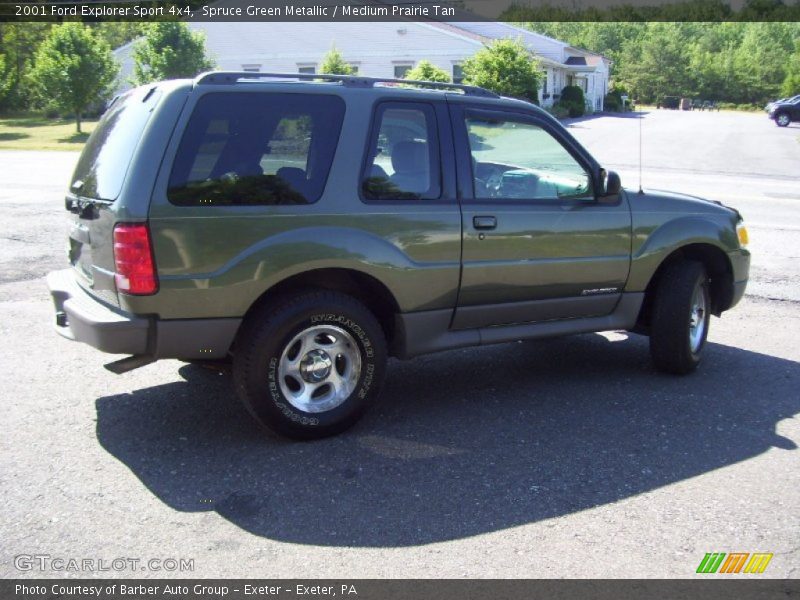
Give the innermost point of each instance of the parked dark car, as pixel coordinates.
(671, 102)
(785, 112)
(308, 230)
(769, 106)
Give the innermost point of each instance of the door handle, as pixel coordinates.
(484, 222)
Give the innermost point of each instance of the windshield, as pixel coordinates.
(104, 162)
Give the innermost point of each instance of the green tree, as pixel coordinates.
(505, 67)
(18, 43)
(169, 50)
(791, 83)
(118, 34)
(761, 61)
(741, 62)
(5, 79)
(74, 69)
(333, 64)
(427, 71)
(656, 65)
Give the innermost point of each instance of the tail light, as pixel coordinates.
(133, 260)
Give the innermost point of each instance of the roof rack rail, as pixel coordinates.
(229, 77)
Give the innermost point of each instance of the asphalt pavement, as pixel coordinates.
(559, 458)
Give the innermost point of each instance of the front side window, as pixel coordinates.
(256, 149)
(403, 155)
(521, 161)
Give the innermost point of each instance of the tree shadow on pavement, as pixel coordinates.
(463, 443)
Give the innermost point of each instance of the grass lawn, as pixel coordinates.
(40, 133)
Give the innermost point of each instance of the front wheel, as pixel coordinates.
(310, 366)
(782, 120)
(681, 316)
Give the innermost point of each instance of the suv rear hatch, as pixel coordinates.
(94, 191)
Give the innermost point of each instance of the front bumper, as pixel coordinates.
(740, 262)
(83, 318)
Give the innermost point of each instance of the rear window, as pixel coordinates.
(256, 149)
(105, 159)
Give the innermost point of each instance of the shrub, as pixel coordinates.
(558, 111)
(572, 93)
(427, 71)
(571, 107)
(333, 63)
(505, 67)
(612, 102)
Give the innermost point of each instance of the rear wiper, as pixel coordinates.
(84, 207)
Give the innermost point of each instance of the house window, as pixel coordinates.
(458, 73)
(353, 69)
(544, 83)
(251, 68)
(307, 69)
(401, 70)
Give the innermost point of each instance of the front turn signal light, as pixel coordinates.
(741, 233)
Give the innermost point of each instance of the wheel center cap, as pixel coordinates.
(316, 366)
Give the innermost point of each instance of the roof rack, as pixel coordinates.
(229, 77)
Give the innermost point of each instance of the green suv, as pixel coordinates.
(307, 227)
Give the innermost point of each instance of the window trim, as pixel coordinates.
(466, 177)
(457, 64)
(372, 136)
(401, 63)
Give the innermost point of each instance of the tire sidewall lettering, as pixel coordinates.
(367, 377)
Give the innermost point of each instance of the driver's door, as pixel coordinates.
(537, 243)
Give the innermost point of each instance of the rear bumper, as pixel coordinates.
(82, 318)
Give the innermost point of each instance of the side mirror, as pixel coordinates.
(613, 184)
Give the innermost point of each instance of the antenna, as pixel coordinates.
(641, 191)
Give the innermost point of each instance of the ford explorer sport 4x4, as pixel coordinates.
(307, 227)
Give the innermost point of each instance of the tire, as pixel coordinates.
(782, 120)
(680, 319)
(309, 365)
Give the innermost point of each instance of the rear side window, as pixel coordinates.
(105, 159)
(403, 154)
(256, 149)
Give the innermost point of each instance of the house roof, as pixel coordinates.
(585, 61)
(494, 30)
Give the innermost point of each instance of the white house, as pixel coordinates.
(388, 49)
(563, 64)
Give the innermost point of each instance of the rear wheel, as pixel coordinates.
(680, 320)
(782, 120)
(310, 365)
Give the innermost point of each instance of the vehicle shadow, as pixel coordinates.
(463, 443)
